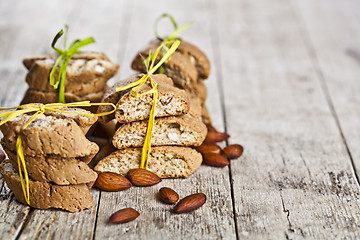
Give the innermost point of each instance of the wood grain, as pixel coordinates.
(295, 179)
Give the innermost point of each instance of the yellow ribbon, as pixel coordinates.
(136, 85)
(39, 111)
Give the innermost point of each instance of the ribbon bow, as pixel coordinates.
(137, 84)
(63, 60)
(169, 39)
(39, 111)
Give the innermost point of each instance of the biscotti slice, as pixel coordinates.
(35, 96)
(43, 195)
(184, 130)
(197, 56)
(84, 75)
(171, 101)
(83, 121)
(58, 170)
(179, 68)
(164, 161)
(47, 135)
(199, 91)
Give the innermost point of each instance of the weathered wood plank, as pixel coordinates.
(17, 39)
(215, 219)
(295, 179)
(336, 51)
(54, 224)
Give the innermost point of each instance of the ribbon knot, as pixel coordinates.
(39, 111)
(137, 84)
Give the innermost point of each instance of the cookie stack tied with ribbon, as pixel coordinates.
(159, 123)
(48, 155)
(188, 66)
(68, 75)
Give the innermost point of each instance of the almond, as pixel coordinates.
(2, 155)
(165, 101)
(212, 137)
(211, 128)
(215, 159)
(233, 151)
(124, 215)
(167, 195)
(208, 148)
(112, 182)
(190, 203)
(142, 177)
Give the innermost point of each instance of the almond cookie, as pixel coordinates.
(48, 135)
(197, 56)
(184, 130)
(171, 101)
(43, 195)
(84, 75)
(164, 161)
(179, 68)
(61, 171)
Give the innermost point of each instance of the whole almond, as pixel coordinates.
(142, 177)
(233, 151)
(212, 137)
(208, 148)
(211, 128)
(215, 159)
(124, 215)
(167, 195)
(190, 203)
(112, 182)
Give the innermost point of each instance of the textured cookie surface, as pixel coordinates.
(171, 101)
(84, 74)
(58, 170)
(164, 161)
(180, 68)
(47, 135)
(43, 195)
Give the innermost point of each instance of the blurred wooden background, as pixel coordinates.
(285, 83)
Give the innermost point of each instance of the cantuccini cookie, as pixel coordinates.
(179, 68)
(83, 121)
(55, 169)
(197, 56)
(43, 195)
(184, 130)
(113, 96)
(199, 90)
(48, 135)
(171, 101)
(205, 115)
(164, 161)
(84, 75)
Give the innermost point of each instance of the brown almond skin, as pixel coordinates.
(211, 128)
(167, 195)
(112, 182)
(142, 177)
(2, 155)
(212, 137)
(208, 148)
(190, 203)
(215, 160)
(124, 215)
(233, 151)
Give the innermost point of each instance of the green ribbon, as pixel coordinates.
(63, 60)
(167, 40)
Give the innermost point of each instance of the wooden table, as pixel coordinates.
(285, 83)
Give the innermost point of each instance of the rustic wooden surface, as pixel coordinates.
(284, 83)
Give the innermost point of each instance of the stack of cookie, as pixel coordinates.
(177, 128)
(86, 77)
(188, 67)
(56, 154)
